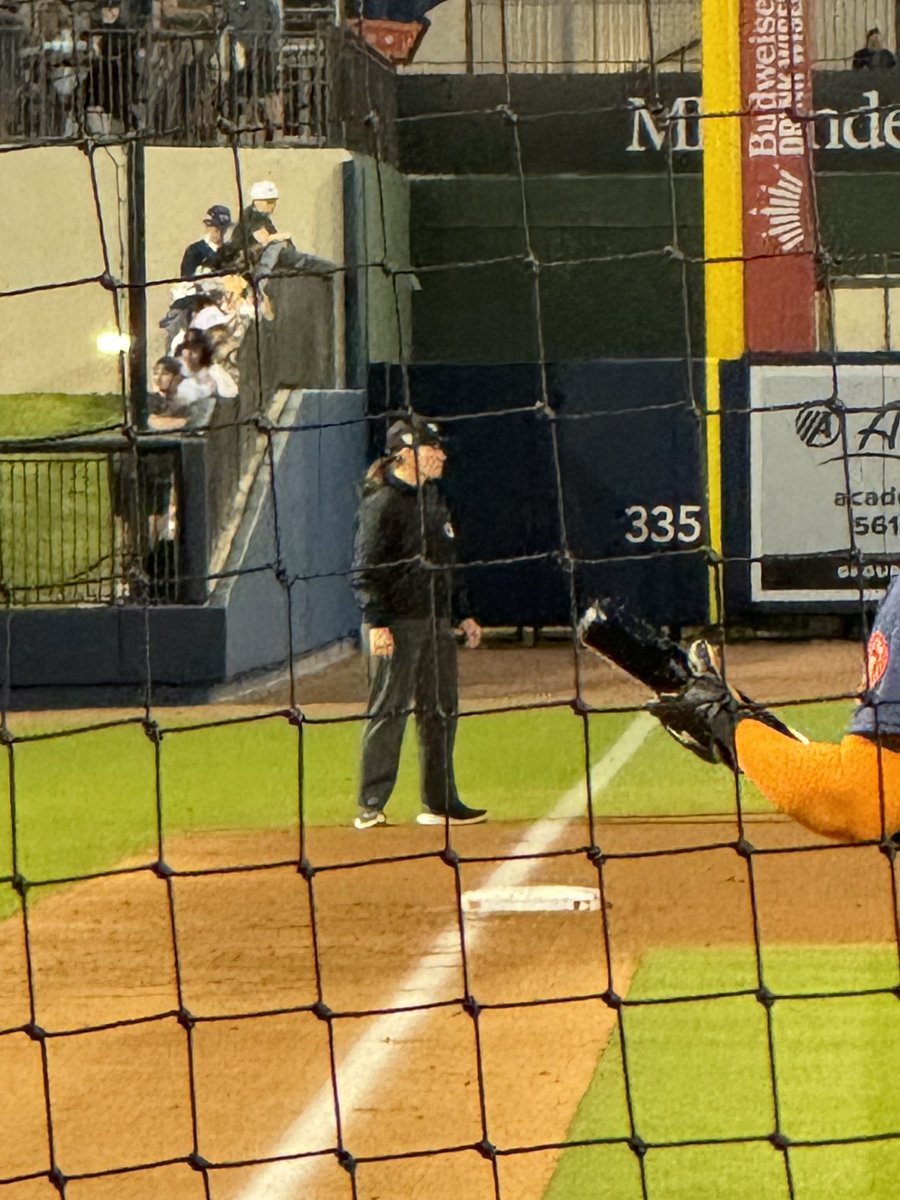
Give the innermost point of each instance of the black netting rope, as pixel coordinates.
(27, 890)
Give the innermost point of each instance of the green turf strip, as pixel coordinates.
(700, 1070)
(45, 414)
(87, 801)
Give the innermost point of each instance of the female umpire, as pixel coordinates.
(403, 581)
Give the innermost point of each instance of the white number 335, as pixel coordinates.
(662, 524)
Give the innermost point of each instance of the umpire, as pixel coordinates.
(403, 580)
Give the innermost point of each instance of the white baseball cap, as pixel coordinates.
(208, 318)
(264, 189)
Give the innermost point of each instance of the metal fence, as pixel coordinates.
(185, 88)
(97, 520)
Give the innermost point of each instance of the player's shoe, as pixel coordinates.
(460, 814)
(369, 817)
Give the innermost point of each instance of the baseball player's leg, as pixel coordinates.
(390, 692)
(437, 704)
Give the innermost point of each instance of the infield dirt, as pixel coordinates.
(178, 1008)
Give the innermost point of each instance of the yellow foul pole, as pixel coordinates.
(723, 243)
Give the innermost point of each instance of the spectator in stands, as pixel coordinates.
(873, 55)
(201, 253)
(254, 33)
(111, 88)
(256, 243)
(202, 379)
(166, 378)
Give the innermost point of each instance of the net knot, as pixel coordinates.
(6, 737)
(186, 1019)
(471, 1006)
(638, 1145)
(744, 848)
(152, 730)
(486, 1149)
(198, 1162)
(449, 856)
(373, 119)
(779, 1140)
(108, 281)
(306, 869)
(347, 1161)
(765, 997)
(595, 855)
(509, 113)
(611, 999)
(36, 1032)
(294, 715)
(162, 870)
(19, 884)
(58, 1179)
(321, 1010)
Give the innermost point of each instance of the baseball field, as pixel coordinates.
(184, 1013)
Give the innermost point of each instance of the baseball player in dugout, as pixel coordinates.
(411, 603)
(848, 790)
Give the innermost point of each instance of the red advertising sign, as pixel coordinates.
(779, 245)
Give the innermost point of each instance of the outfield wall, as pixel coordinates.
(624, 442)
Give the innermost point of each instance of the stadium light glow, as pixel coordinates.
(112, 342)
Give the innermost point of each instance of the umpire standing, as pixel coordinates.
(403, 580)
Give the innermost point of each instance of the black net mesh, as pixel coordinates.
(637, 979)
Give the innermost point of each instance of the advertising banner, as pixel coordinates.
(779, 243)
(825, 481)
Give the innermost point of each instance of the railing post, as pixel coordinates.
(137, 279)
(194, 515)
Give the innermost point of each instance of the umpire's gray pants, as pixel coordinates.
(420, 675)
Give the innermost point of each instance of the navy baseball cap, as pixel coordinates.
(412, 432)
(218, 215)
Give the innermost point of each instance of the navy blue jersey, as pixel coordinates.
(879, 711)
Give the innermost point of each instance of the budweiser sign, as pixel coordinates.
(776, 80)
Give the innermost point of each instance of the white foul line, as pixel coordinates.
(438, 971)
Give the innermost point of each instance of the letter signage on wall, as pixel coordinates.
(779, 243)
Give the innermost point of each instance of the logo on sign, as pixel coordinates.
(784, 212)
(817, 426)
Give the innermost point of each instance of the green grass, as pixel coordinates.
(44, 414)
(87, 800)
(699, 1070)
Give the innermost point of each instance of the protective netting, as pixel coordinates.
(632, 981)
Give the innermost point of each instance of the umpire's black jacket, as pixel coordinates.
(405, 552)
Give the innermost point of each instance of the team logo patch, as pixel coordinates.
(879, 656)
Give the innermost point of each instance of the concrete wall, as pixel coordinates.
(65, 207)
(377, 247)
(182, 183)
(305, 521)
(61, 208)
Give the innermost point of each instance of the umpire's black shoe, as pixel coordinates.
(460, 814)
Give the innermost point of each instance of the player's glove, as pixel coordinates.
(694, 704)
(704, 714)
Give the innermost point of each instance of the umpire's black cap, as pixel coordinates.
(412, 432)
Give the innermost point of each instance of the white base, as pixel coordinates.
(549, 897)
